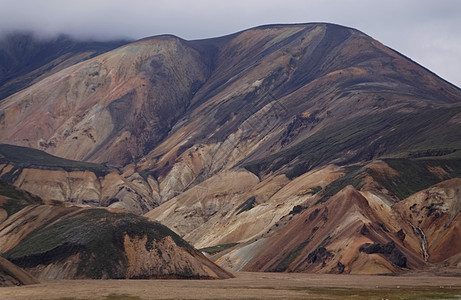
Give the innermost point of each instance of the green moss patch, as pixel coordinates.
(247, 205)
(285, 263)
(354, 176)
(95, 234)
(23, 157)
(18, 198)
(415, 175)
(218, 248)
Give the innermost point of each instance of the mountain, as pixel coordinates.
(320, 221)
(303, 148)
(81, 183)
(26, 59)
(53, 242)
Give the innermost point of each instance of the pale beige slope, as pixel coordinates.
(128, 191)
(235, 206)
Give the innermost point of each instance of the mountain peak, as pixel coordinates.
(263, 128)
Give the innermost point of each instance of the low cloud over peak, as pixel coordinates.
(424, 30)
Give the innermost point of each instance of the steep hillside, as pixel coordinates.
(268, 106)
(26, 59)
(13, 275)
(294, 148)
(56, 179)
(283, 94)
(53, 242)
(112, 108)
(13, 200)
(331, 220)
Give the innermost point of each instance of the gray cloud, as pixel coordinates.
(425, 30)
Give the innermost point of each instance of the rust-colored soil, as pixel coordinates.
(248, 285)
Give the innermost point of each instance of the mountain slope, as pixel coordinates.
(320, 221)
(69, 242)
(228, 88)
(84, 110)
(243, 142)
(80, 183)
(26, 59)
(12, 275)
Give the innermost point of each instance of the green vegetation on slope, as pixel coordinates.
(27, 157)
(96, 234)
(368, 137)
(282, 266)
(218, 248)
(354, 176)
(413, 176)
(18, 198)
(247, 205)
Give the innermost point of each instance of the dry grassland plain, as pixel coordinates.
(248, 286)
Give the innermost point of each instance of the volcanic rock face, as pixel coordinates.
(287, 148)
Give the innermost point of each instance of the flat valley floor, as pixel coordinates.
(248, 286)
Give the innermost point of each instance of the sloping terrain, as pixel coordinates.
(101, 109)
(26, 59)
(80, 183)
(290, 148)
(332, 220)
(53, 242)
(13, 200)
(13, 275)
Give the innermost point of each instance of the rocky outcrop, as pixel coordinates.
(389, 250)
(85, 188)
(434, 214)
(11, 275)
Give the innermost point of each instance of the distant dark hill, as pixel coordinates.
(24, 58)
(23, 157)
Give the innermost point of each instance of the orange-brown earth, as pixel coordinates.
(300, 148)
(57, 242)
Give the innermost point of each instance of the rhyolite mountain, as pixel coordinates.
(303, 148)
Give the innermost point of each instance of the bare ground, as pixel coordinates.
(248, 286)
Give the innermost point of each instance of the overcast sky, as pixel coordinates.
(427, 31)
